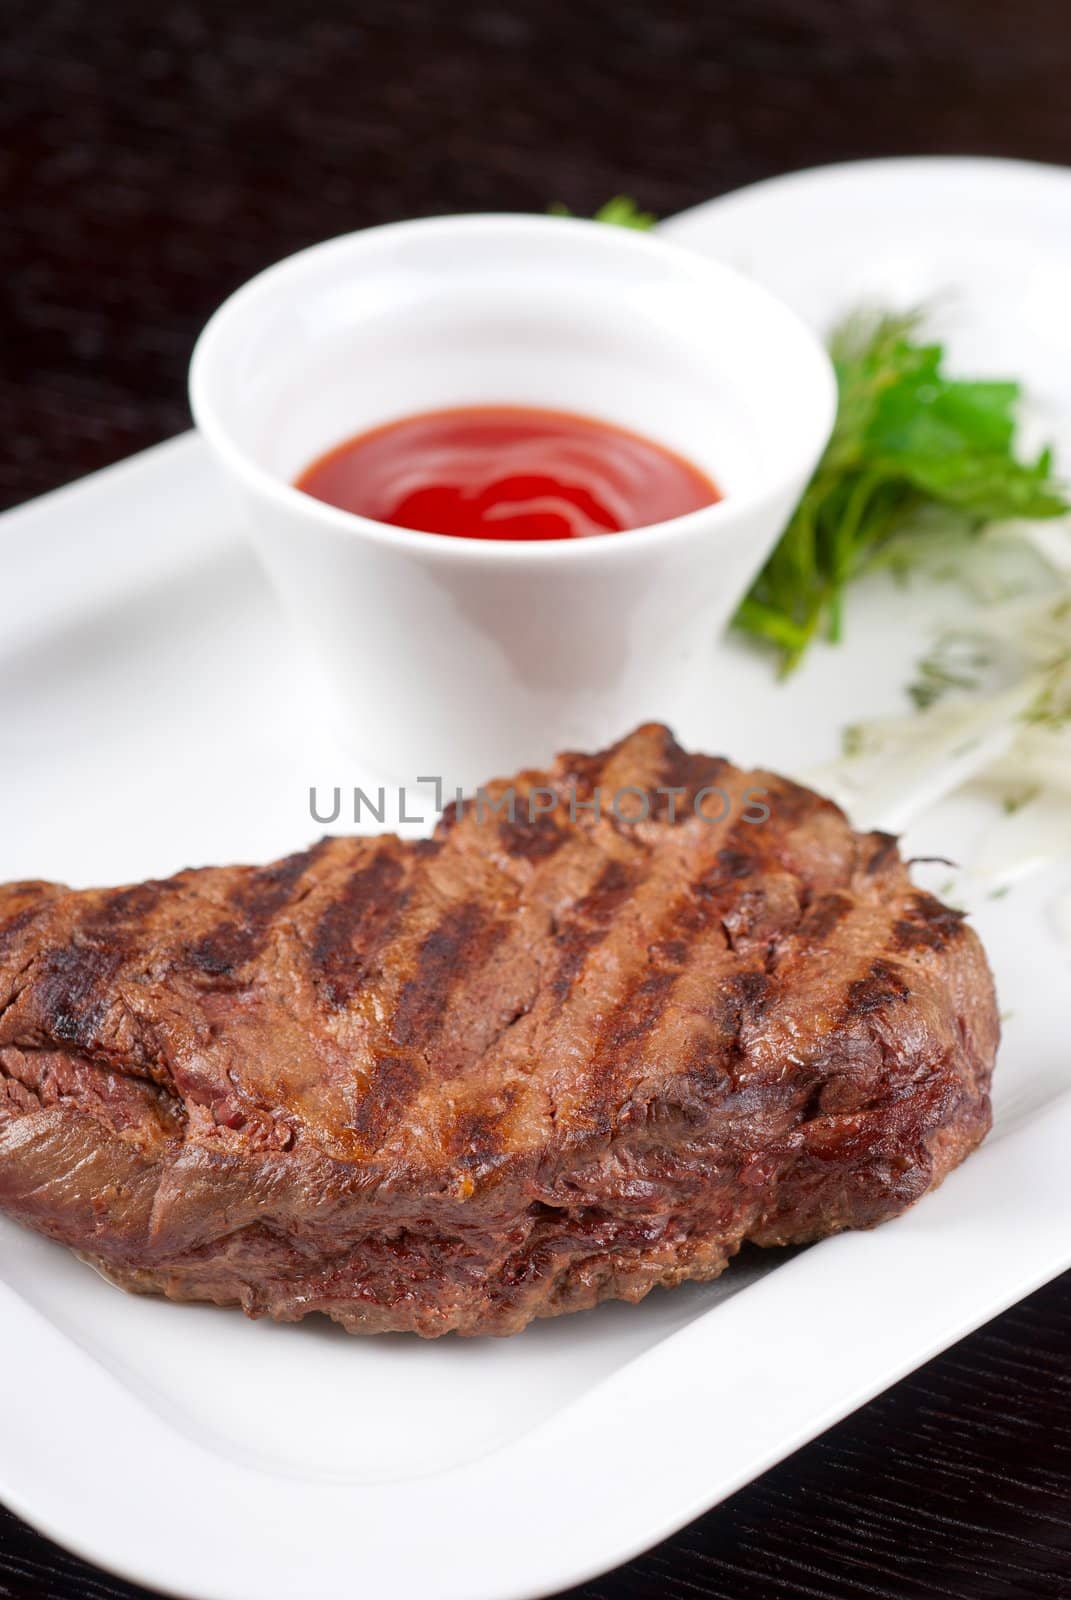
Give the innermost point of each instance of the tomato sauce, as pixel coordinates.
(507, 472)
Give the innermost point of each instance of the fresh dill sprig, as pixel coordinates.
(1015, 800)
(957, 661)
(906, 438)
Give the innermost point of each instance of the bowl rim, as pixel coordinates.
(798, 462)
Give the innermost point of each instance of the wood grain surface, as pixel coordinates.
(153, 156)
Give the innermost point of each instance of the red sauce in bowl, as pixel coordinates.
(507, 472)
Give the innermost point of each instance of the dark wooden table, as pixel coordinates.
(153, 156)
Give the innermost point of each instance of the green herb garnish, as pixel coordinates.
(1020, 798)
(625, 213)
(906, 438)
(907, 442)
(621, 211)
(957, 661)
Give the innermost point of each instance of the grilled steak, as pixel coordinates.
(542, 1059)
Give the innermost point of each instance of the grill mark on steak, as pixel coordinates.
(531, 841)
(882, 986)
(619, 1042)
(581, 776)
(678, 769)
(611, 890)
(707, 896)
(929, 925)
(820, 918)
(697, 908)
(257, 900)
(453, 947)
(736, 863)
(13, 926)
(357, 926)
(635, 1016)
(74, 984)
(578, 935)
(123, 912)
(582, 773)
(716, 1055)
(72, 991)
(393, 1085)
(476, 1138)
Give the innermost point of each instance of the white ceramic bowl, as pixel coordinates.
(467, 658)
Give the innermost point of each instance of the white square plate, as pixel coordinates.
(153, 716)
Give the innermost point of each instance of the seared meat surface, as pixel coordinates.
(532, 1063)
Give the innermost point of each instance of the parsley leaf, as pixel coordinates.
(906, 437)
